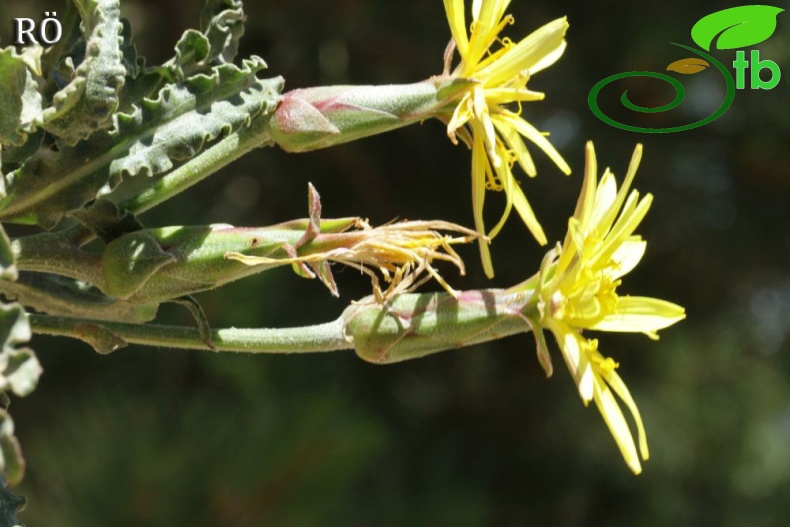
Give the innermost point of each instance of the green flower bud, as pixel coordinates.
(313, 118)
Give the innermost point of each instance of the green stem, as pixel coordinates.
(409, 326)
(307, 339)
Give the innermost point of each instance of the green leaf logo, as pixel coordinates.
(739, 27)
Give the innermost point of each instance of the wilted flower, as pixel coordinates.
(403, 252)
(487, 116)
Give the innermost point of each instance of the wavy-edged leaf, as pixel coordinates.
(58, 63)
(193, 55)
(20, 100)
(131, 61)
(221, 28)
(190, 114)
(738, 27)
(14, 156)
(222, 21)
(88, 102)
(688, 66)
(149, 140)
(19, 373)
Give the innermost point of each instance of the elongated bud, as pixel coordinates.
(160, 264)
(313, 118)
(415, 325)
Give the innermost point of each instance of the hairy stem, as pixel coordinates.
(410, 326)
(307, 339)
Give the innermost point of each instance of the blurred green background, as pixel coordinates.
(476, 436)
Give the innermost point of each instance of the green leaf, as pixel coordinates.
(222, 26)
(190, 114)
(58, 63)
(20, 100)
(192, 55)
(149, 140)
(738, 27)
(222, 21)
(89, 101)
(62, 296)
(19, 372)
(131, 61)
(13, 464)
(100, 338)
(106, 220)
(14, 156)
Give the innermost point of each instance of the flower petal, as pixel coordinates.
(626, 256)
(619, 387)
(457, 21)
(613, 416)
(513, 140)
(641, 315)
(527, 215)
(532, 133)
(479, 165)
(535, 52)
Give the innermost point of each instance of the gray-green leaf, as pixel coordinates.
(20, 100)
(89, 101)
(738, 27)
(222, 21)
(62, 296)
(149, 140)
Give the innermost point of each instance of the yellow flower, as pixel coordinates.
(577, 291)
(483, 118)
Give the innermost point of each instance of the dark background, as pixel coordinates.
(477, 436)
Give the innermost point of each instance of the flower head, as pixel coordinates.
(487, 116)
(577, 289)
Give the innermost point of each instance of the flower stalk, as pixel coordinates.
(410, 326)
